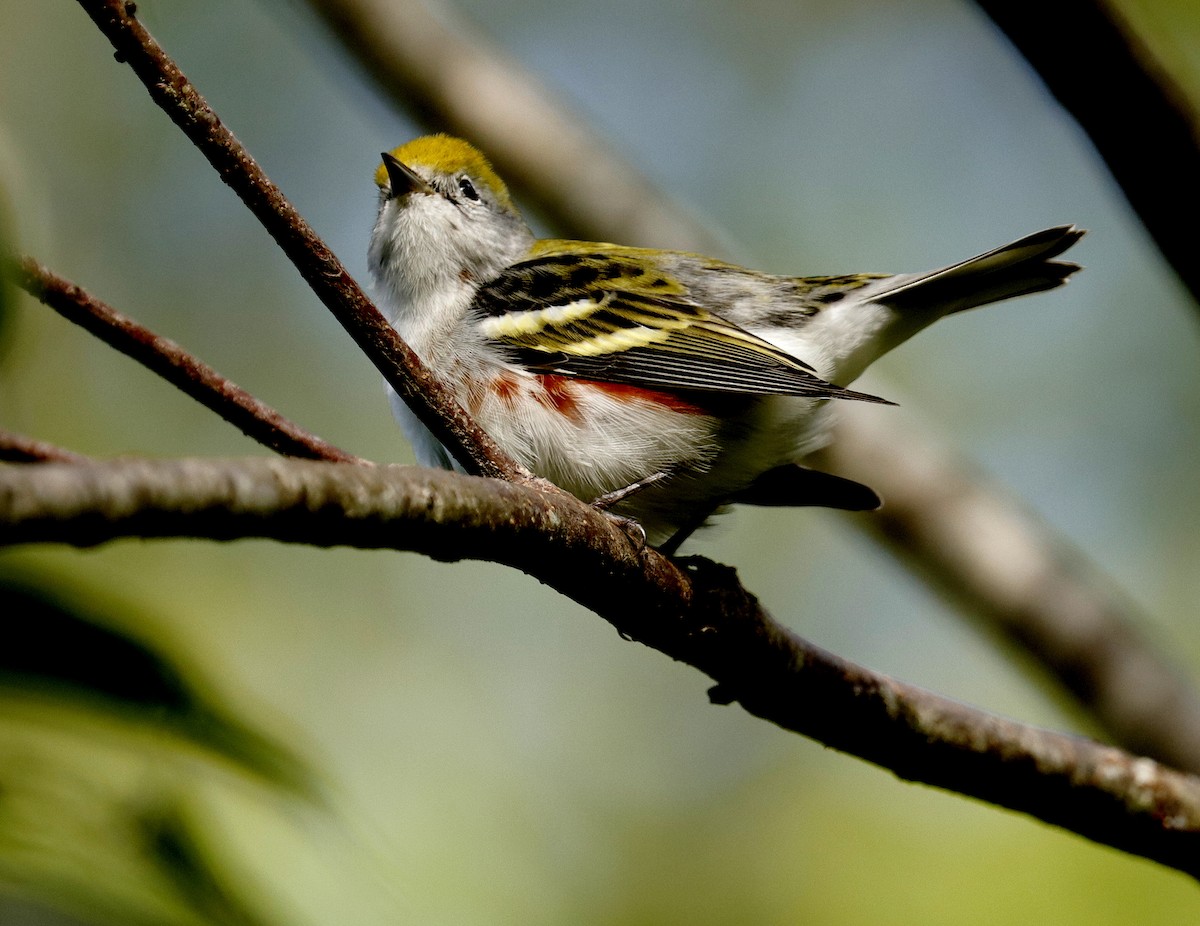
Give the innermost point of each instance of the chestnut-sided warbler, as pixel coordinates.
(602, 367)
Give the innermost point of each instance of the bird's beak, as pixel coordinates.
(403, 179)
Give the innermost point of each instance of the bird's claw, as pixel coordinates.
(630, 528)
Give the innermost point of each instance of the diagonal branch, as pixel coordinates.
(160, 355)
(435, 64)
(1139, 119)
(695, 612)
(329, 279)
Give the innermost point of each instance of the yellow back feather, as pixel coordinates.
(446, 154)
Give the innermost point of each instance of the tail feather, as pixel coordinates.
(1017, 269)
(902, 305)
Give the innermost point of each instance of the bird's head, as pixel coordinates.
(445, 217)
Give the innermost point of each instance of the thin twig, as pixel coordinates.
(255, 419)
(695, 612)
(17, 448)
(1139, 119)
(321, 269)
(438, 66)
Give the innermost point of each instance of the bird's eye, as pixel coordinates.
(467, 188)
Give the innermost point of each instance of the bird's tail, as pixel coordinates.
(1025, 266)
(904, 304)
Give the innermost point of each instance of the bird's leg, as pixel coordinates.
(630, 526)
(616, 496)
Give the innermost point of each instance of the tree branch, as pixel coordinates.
(698, 614)
(255, 419)
(436, 65)
(982, 551)
(1135, 114)
(329, 279)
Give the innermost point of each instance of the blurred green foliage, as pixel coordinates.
(490, 752)
(106, 749)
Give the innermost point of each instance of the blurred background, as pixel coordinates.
(481, 750)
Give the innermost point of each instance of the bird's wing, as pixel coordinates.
(615, 314)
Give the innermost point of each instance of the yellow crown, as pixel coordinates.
(445, 154)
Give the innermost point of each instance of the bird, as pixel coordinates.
(659, 385)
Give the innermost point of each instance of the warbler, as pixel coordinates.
(664, 383)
